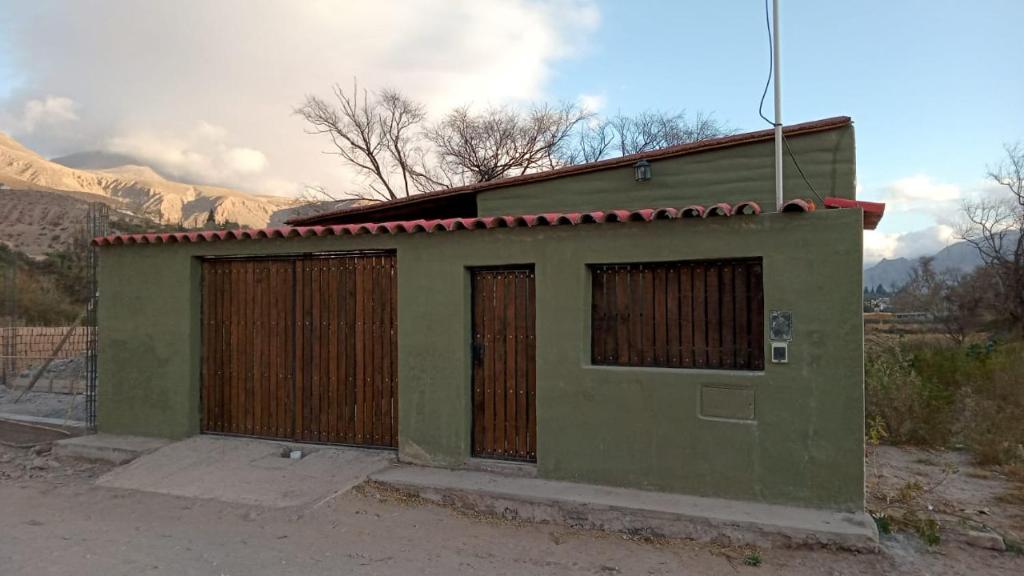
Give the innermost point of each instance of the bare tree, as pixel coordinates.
(386, 138)
(379, 135)
(953, 301)
(622, 135)
(996, 228)
(592, 142)
(500, 142)
(652, 130)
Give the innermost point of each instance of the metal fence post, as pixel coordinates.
(99, 225)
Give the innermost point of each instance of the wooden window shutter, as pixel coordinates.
(706, 314)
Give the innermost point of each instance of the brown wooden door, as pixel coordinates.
(302, 348)
(247, 378)
(504, 373)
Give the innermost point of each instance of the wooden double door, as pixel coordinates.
(504, 373)
(302, 348)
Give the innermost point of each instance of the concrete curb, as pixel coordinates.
(108, 447)
(41, 420)
(655, 514)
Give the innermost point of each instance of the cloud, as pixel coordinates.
(43, 112)
(204, 153)
(921, 218)
(922, 215)
(921, 195)
(924, 242)
(245, 160)
(144, 76)
(921, 188)
(592, 102)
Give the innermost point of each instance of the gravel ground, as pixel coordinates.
(959, 495)
(54, 520)
(23, 435)
(44, 404)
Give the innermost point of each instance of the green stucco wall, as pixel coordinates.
(734, 174)
(790, 434)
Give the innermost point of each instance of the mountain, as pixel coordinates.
(134, 188)
(893, 274)
(97, 160)
(890, 274)
(38, 222)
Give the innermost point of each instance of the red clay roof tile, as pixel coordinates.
(873, 211)
(449, 224)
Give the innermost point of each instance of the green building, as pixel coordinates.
(648, 322)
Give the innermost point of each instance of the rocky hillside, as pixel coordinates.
(136, 189)
(38, 222)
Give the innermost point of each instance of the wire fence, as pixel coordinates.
(27, 349)
(47, 361)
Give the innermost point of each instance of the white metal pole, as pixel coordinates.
(777, 58)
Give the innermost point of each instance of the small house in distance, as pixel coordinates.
(669, 332)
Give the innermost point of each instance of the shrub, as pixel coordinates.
(904, 405)
(942, 396)
(50, 291)
(994, 409)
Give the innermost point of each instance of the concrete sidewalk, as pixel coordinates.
(634, 511)
(249, 471)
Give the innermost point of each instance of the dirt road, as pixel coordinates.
(53, 520)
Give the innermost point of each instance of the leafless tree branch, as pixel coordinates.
(500, 142)
(386, 138)
(996, 228)
(377, 134)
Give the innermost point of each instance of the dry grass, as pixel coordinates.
(1014, 496)
(925, 394)
(923, 391)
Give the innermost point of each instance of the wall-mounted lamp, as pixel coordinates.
(642, 171)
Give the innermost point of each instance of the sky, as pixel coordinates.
(204, 89)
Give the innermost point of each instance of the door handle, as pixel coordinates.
(478, 353)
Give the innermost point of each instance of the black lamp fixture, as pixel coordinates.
(642, 171)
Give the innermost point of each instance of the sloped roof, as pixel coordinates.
(661, 153)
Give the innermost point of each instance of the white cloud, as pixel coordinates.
(924, 242)
(148, 74)
(922, 215)
(203, 153)
(592, 102)
(920, 188)
(922, 195)
(48, 111)
(878, 245)
(245, 160)
(208, 131)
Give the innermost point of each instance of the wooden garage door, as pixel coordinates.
(301, 348)
(504, 373)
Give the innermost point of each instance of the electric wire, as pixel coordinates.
(801, 170)
(764, 94)
(771, 65)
